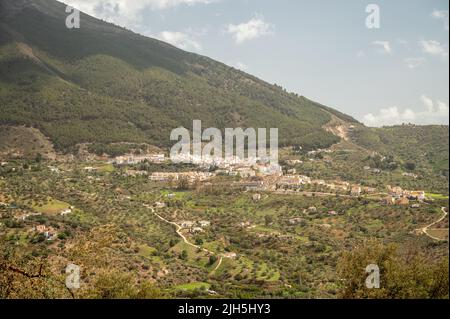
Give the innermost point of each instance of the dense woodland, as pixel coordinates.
(104, 84)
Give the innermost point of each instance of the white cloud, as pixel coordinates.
(428, 102)
(384, 46)
(181, 40)
(127, 12)
(241, 66)
(253, 29)
(389, 116)
(360, 54)
(441, 15)
(413, 63)
(435, 48)
(427, 115)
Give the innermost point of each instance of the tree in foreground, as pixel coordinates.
(403, 274)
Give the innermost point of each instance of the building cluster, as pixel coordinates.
(20, 215)
(191, 177)
(246, 170)
(132, 159)
(297, 181)
(412, 175)
(48, 232)
(195, 227)
(399, 196)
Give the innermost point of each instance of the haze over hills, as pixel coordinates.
(104, 84)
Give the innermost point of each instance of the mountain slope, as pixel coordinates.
(426, 147)
(104, 84)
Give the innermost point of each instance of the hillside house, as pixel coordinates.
(403, 201)
(256, 197)
(196, 230)
(356, 191)
(294, 162)
(246, 172)
(230, 255)
(312, 209)
(187, 224)
(395, 191)
(252, 186)
(54, 169)
(204, 223)
(412, 175)
(289, 181)
(66, 211)
(137, 159)
(369, 190)
(135, 173)
(48, 232)
(389, 200)
(418, 195)
(160, 205)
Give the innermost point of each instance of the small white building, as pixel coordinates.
(256, 197)
(204, 223)
(187, 224)
(160, 205)
(66, 211)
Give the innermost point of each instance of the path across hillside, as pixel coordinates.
(185, 240)
(425, 229)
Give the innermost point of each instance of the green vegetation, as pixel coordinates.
(274, 247)
(122, 87)
(104, 89)
(50, 206)
(416, 147)
(403, 274)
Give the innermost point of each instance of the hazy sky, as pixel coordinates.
(321, 49)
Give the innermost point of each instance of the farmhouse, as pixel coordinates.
(66, 212)
(204, 223)
(356, 191)
(187, 224)
(252, 186)
(230, 255)
(418, 195)
(256, 197)
(196, 230)
(49, 232)
(160, 205)
(289, 181)
(136, 159)
(135, 173)
(395, 191)
(389, 200)
(403, 201)
(246, 172)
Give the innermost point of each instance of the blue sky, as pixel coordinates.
(321, 49)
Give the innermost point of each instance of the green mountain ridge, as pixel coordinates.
(105, 84)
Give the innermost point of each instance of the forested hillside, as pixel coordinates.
(419, 147)
(104, 84)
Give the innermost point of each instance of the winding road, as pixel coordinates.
(425, 229)
(185, 240)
